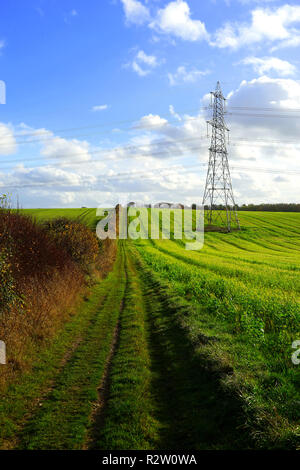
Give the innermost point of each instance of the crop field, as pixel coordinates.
(244, 288)
(174, 348)
(85, 215)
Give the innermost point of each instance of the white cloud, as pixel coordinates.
(293, 41)
(2, 44)
(101, 107)
(271, 25)
(174, 114)
(266, 92)
(150, 60)
(48, 175)
(51, 146)
(267, 64)
(143, 63)
(135, 12)
(138, 69)
(250, 132)
(175, 19)
(152, 121)
(8, 143)
(66, 150)
(182, 75)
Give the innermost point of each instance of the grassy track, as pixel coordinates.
(62, 420)
(129, 421)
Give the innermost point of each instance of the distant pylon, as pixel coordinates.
(218, 193)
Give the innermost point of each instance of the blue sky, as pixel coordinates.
(104, 99)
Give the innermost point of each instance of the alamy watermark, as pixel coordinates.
(2, 352)
(2, 92)
(181, 223)
(296, 354)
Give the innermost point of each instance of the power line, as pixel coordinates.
(125, 175)
(113, 123)
(109, 151)
(254, 108)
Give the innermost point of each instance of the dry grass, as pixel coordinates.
(41, 284)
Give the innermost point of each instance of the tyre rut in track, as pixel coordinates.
(99, 408)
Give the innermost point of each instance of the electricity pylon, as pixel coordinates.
(218, 194)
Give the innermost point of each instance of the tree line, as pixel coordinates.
(278, 207)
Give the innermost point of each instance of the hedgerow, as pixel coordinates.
(43, 269)
(76, 239)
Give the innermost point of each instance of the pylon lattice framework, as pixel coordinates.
(218, 193)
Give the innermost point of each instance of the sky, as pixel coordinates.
(107, 101)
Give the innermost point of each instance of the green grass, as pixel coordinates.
(87, 216)
(245, 288)
(22, 399)
(62, 421)
(204, 345)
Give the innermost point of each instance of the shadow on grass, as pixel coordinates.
(196, 411)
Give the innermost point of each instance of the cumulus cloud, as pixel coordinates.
(278, 27)
(8, 143)
(135, 12)
(275, 25)
(152, 121)
(269, 141)
(175, 19)
(182, 75)
(66, 150)
(275, 93)
(263, 65)
(51, 146)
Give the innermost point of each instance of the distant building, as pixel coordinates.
(163, 205)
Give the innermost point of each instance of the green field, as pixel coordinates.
(194, 348)
(88, 216)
